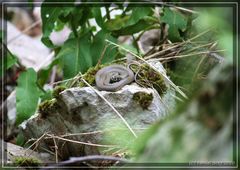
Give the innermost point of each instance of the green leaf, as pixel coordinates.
(59, 25)
(117, 23)
(132, 29)
(27, 95)
(46, 96)
(176, 21)
(98, 46)
(50, 15)
(11, 60)
(75, 56)
(138, 13)
(87, 13)
(96, 11)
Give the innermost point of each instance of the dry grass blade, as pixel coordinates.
(56, 150)
(63, 81)
(36, 142)
(84, 133)
(97, 132)
(79, 142)
(154, 68)
(201, 46)
(175, 46)
(124, 121)
(186, 10)
(84, 159)
(186, 55)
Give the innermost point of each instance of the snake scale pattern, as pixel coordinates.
(113, 77)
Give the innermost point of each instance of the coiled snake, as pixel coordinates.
(113, 77)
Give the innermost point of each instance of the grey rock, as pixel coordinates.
(10, 152)
(82, 110)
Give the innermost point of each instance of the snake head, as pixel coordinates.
(115, 78)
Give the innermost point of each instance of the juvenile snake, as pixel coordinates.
(113, 77)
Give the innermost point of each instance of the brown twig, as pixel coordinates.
(79, 142)
(73, 160)
(102, 54)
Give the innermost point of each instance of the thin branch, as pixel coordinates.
(107, 13)
(96, 132)
(89, 25)
(201, 46)
(79, 142)
(181, 50)
(85, 133)
(73, 160)
(53, 75)
(136, 44)
(73, 26)
(63, 81)
(37, 141)
(102, 54)
(186, 10)
(56, 149)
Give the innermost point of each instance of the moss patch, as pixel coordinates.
(26, 161)
(89, 76)
(143, 99)
(150, 78)
(47, 107)
(57, 90)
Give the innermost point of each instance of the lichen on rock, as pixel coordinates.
(47, 107)
(89, 76)
(57, 90)
(148, 77)
(26, 161)
(143, 98)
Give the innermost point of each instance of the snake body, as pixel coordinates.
(113, 77)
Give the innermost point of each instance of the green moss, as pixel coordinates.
(89, 76)
(26, 161)
(150, 78)
(120, 62)
(47, 107)
(143, 99)
(57, 90)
